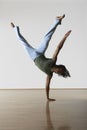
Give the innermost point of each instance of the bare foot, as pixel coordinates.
(12, 25)
(60, 17)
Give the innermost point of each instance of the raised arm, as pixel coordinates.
(60, 45)
(48, 80)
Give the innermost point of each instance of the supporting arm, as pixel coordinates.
(60, 46)
(48, 80)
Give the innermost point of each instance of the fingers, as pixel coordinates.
(68, 33)
(50, 99)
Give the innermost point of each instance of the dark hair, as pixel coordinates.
(64, 73)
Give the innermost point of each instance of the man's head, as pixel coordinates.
(61, 71)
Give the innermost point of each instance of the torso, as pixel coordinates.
(44, 64)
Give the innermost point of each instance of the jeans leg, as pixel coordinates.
(30, 50)
(32, 53)
(44, 44)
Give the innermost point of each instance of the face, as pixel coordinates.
(61, 70)
(58, 70)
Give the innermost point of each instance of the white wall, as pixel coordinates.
(34, 18)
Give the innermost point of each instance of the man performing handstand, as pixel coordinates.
(45, 64)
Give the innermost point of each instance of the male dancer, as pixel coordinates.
(38, 55)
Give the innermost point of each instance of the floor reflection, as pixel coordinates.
(64, 128)
(48, 117)
(28, 110)
(50, 125)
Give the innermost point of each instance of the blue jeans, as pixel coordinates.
(34, 53)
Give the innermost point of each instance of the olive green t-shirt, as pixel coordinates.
(44, 64)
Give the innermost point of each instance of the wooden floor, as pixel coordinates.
(29, 110)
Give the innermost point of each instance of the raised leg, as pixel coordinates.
(30, 50)
(44, 44)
